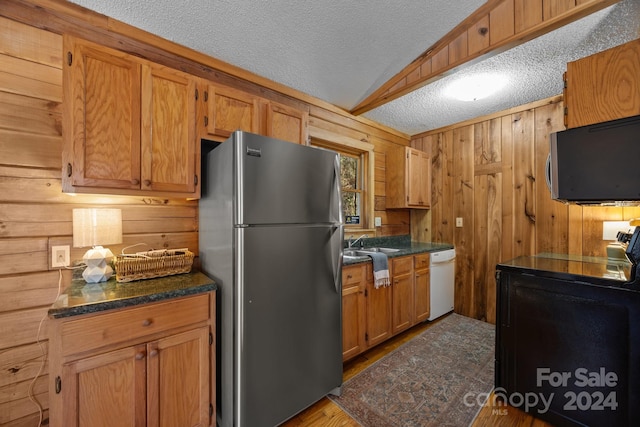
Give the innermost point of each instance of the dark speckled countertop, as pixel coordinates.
(83, 298)
(404, 243)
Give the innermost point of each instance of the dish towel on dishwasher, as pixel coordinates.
(380, 270)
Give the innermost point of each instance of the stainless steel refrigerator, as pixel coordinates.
(271, 236)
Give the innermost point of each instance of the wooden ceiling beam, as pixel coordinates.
(496, 26)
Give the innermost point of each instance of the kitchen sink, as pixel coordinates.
(354, 254)
(382, 250)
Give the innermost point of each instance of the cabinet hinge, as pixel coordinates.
(69, 58)
(196, 94)
(206, 96)
(366, 292)
(210, 410)
(69, 170)
(195, 179)
(210, 338)
(566, 111)
(206, 121)
(366, 337)
(58, 385)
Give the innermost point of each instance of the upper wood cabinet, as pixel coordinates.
(227, 110)
(408, 179)
(129, 124)
(287, 123)
(604, 86)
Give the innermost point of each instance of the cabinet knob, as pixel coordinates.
(349, 276)
(135, 181)
(139, 356)
(147, 183)
(147, 322)
(153, 353)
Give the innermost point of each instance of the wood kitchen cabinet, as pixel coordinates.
(129, 124)
(227, 110)
(142, 366)
(408, 182)
(353, 311)
(403, 291)
(379, 311)
(603, 86)
(422, 286)
(287, 123)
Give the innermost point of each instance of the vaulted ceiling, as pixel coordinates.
(365, 55)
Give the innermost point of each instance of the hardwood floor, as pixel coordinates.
(325, 413)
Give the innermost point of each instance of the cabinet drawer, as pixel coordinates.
(421, 261)
(351, 275)
(106, 328)
(402, 265)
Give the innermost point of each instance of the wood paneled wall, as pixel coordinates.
(34, 213)
(491, 173)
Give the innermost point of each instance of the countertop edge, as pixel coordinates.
(204, 284)
(416, 248)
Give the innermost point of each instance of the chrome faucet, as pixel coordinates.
(353, 242)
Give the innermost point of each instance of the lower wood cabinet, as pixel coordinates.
(402, 289)
(143, 366)
(379, 306)
(370, 316)
(421, 275)
(353, 311)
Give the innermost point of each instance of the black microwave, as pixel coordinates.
(596, 164)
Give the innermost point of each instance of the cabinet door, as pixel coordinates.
(102, 123)
(402, 293)
(229, 110)
(178, 380)
(168, 130)
(422, 287)
(418, 178)
(379, 311)
(603, 86)
(421, 295)
(286, 123)
(105, 390)
(402, 303)
(353, 313)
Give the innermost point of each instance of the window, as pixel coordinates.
(351, 183)
(356, 178)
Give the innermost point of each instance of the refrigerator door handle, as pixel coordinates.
(337, 197)
(336, 246)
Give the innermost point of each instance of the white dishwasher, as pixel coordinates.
(443, 270)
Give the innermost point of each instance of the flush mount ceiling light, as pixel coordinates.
(475, 87)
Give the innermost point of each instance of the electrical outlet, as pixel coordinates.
(377, 221)
(459, 222)
(60, 256)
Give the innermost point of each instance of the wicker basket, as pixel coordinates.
(147, 265)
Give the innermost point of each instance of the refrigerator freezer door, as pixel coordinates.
(284, 183)
(288, 319)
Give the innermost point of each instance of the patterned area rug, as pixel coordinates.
(439, 378)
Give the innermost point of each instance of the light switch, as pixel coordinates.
(459, 222)
(377, 221)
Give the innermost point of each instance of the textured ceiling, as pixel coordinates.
(341, 51)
